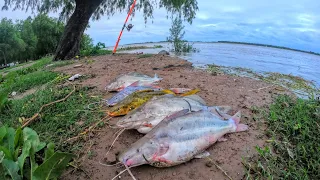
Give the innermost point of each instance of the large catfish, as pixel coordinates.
(180, 138)
(151, 113)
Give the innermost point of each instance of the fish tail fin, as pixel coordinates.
(240, 127)
(157, 77)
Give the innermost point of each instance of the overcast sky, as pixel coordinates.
(290, 23)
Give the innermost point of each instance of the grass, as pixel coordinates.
(58, 122)
(26, 78)
(145, 56)
(294, 145)
(139, 47)
(95, 52)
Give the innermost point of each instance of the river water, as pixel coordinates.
(257, 58)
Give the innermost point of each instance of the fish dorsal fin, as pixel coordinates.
(195, 98)
(136, 74)
(176, 115)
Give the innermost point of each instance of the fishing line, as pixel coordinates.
(127, 168)
(119, 174)
(121, 131)
(109, 165)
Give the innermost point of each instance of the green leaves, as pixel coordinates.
(17, 146)
(11, 168)
(52, 167)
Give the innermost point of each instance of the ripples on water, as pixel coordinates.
(257, 58)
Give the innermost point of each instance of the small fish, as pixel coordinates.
(133, 101)
(136, 86)
(180, 138)
(147, 116)
(137, 99)
(126, 80)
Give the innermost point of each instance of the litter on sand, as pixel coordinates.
(178, 124)
(74, 77)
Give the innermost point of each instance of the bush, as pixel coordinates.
(176, 37)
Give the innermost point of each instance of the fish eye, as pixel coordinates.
(138, 150)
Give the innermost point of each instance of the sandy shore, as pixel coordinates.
(238, 92)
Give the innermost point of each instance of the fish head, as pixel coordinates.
(119, 110)
(139, 153)
(115, 86)
(141, 116)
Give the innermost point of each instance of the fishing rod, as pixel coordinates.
(124, 26)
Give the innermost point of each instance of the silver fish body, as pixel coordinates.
(180, 138)
(126, 80)
(127, 91)
(150, 114)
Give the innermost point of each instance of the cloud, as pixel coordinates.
(292, 23)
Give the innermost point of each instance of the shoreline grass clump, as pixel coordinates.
(294, 145)
(57, 122)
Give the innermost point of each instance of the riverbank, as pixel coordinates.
(241, 93)
(77, 124)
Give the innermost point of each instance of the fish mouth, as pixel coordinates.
(111, 114)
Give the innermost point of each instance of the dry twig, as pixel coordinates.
(35, 116)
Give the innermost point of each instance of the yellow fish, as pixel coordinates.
(137, 99)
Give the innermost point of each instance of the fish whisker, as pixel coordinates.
(120, 132)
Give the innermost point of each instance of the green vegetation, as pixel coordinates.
(176, 37)
(138, 47)
(83, 10)
(294, 145)
(24, 156)
(266, 45)
(145, 56)
(88, 49)
(28, 39)
(57, 123)
(35, 38)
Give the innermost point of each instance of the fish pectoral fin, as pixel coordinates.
(222, 139)
(202, 155)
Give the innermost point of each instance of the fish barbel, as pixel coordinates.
(180, 138)
(151, 113)
(126, 80)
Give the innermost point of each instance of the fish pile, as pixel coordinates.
(178, 124)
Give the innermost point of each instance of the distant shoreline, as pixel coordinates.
(234, 42)
(267, 45)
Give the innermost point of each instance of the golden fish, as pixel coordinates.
(137, 99)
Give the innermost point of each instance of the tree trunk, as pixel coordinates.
(69, 45)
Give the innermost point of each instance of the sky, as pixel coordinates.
(290, 23)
